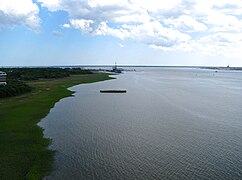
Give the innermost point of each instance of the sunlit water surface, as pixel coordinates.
(171, 124)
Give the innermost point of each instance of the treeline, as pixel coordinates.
(39, 73)
(16, 78)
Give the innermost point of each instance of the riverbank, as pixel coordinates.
(24, 151)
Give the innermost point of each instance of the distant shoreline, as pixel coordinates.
(129, 66)
(224, 68)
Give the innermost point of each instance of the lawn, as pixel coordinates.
(24, 153)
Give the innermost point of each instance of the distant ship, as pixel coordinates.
(116, 69)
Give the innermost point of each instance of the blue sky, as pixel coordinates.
(130, 32)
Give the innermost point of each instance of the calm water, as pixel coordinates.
(172, 124)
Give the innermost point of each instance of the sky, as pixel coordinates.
(129, 32)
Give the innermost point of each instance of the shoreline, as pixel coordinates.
(24, 149)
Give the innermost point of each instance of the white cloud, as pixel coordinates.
(150, 33)
(99, 10)
(186, 23)
(121, 45)
(222, 22)
(104, 29)
(23, 12)
(226, 44)
(154, 33)
(208, 26)
(156, 5)
(53, 5)
(66, 26)
(82, 24)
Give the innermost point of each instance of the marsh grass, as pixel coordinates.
(24, 153)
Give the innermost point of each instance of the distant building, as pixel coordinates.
(3, 78)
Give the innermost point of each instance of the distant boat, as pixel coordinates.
(113, 91)
(116, 69)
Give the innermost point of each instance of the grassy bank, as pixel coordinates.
(23, 150)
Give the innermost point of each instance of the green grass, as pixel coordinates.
(24, 153)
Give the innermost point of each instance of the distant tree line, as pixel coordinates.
(16, 78)
(41, 73)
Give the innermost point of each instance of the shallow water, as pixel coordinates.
(171, 124)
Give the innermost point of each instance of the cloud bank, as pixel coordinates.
(212, 27)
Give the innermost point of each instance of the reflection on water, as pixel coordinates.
(171, 124)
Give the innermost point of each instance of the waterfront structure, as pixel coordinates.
(113, 91)
(3, 78)
(116, 69)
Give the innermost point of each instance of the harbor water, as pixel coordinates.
(173, 123)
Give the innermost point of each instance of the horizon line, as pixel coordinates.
(111, 65)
